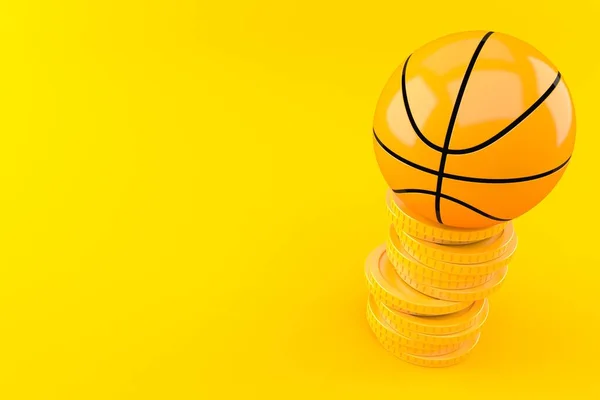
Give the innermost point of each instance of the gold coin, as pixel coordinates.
(387, 287)
(386, 334)
(405, 264)
(432, 231)
(468, 295)
(437, 361)
(447, 329)
(479, 258)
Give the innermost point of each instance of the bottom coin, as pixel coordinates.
(439, 361)
(432, 356)
(384, 331)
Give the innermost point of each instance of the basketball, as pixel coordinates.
(473, 129)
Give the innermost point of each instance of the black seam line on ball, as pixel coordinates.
(468, 178)
(413, 123)
(513, 124)
(452, 199)
(459, 96)
(507, 180)
(402, 159)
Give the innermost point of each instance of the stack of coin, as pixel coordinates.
(429, 286)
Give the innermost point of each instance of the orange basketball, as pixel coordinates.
(473, 129)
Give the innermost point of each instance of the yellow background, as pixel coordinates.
(189, 192)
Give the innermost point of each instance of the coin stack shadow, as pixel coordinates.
(429, 286)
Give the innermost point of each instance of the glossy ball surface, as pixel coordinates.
(473, 129)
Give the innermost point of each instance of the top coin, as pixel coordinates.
(431, 231)
(474, 129)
